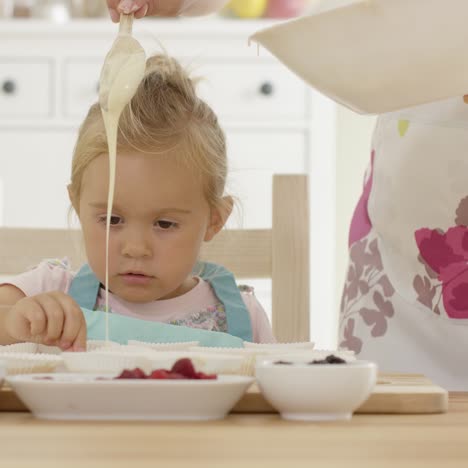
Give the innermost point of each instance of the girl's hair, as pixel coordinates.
(165, 117)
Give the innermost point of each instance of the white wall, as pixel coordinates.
(353, 147)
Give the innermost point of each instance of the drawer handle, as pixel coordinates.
(267, 89)
(9, 87)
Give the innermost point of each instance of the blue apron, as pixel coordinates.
(85, 287)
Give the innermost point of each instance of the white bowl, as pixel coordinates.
(316, 392)
(84, 397)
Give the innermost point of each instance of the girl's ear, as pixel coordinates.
(72, 200)
(219, 216)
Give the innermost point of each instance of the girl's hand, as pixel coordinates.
(162, 7)
(53, 319)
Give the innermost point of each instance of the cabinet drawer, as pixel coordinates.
(81, 83)
(236, 91)
(252, 91)
(25, 88)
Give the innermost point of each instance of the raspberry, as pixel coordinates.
(138, 374)
(125, 374)
(185, 367)
(203, 376)
(176, 376)
(159, 374)
(182, 369)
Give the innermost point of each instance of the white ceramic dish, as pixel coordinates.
(83, 397)
(317, 392)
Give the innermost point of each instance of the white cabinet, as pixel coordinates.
(264, 109)
(25, 88)
(259, 92)
(34, 174)
(256, 156)
(80, 86)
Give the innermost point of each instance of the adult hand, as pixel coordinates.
(162, 7)
(52, 318)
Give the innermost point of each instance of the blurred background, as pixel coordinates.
(65, 9)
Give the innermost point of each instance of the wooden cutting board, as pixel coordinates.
(394, 393)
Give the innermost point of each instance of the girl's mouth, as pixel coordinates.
(136, 279)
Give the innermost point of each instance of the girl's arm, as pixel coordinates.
(50, 318)
(9, 296)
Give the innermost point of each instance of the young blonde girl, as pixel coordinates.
(169, 199)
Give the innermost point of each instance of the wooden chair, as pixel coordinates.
(280, 253)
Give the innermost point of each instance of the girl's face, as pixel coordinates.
(159, 220)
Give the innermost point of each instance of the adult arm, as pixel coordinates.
(163, 7)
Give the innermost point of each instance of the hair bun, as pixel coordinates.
(164, 75)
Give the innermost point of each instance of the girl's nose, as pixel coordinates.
(136, 246)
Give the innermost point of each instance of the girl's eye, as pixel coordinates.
(114, 220)
(165, 225)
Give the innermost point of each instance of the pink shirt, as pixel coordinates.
(56, 275)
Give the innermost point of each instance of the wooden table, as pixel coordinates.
(429, 441)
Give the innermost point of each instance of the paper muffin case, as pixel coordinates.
(128, 350)
(48, 349)
(104, 362)
(220, 363)
(92, 345)
(281, 346)
(20, 348)
(164, 346)
(251, 354)
(29, 363)
(248, 356)
(203, 362)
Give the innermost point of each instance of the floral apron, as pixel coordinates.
(405, 300)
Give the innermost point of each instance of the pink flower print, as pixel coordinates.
(462, 213)
(361, 223)
(350, 341)
(455, 290)
(440, 250)
(447, 254)
(377, 318)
